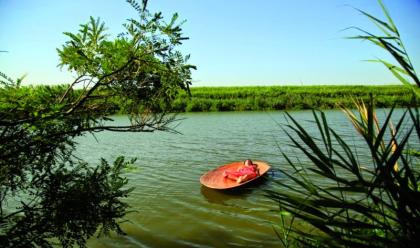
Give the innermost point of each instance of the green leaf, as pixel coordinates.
(391, 22)
(379, 23)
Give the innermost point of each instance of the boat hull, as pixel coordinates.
(214, 179)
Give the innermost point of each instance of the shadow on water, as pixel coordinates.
(275, 173)
(218, 196)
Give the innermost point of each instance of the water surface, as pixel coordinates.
(172, 209)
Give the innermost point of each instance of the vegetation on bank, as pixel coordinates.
(286, 97)
(206, 99)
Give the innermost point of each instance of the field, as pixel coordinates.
(205, 99)
(213, 99)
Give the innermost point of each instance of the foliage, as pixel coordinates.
(286, 97)
(285, 229)
(357, 204)
(390, 41)
(138, 65)
(47, 195)
(354, 203)
(204, 99)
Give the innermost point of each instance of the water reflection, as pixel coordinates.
(274, 173)
(222, 196)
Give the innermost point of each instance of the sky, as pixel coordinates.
(232, 42)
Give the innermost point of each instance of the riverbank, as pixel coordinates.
(253, 98)
(205, 99)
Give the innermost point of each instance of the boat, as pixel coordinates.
(214, 179)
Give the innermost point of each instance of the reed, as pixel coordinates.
(360, 203)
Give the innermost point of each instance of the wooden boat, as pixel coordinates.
(214, 179)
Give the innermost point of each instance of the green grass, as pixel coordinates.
(206, 99)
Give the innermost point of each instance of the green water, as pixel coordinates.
(172, 209)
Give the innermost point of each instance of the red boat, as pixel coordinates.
(216, 180)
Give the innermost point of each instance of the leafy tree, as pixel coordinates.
(47, 195)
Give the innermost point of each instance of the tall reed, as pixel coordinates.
(360, 203)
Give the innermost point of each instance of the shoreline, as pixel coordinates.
(263, 98)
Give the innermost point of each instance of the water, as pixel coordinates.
(172, 209)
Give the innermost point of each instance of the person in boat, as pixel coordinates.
(244, 173)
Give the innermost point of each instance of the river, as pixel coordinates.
(172, 209)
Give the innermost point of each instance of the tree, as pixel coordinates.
(47, 195)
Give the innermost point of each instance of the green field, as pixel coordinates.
(206, 99)
(286, 97)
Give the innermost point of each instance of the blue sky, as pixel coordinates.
(232, 42)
